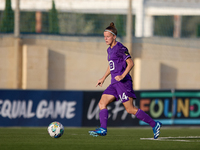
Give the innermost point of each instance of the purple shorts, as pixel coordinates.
(121, 90)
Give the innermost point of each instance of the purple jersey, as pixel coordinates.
(117, 61)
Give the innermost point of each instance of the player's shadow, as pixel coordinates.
(56, 70)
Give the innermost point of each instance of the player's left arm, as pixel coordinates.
(129, 66)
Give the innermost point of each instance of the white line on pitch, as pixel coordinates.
(179, 139)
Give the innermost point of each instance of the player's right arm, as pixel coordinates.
(101, 81)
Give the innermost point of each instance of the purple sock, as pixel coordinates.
(145, 117)
(103, 116)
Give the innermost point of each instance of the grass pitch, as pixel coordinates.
(24, 138)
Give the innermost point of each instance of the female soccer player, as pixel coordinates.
(120, 64)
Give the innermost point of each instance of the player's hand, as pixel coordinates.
(119, 78)
(100, 82)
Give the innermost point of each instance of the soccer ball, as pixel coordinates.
(55, 129)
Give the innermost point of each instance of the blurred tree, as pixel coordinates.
(101, 21)
(45, 22)
(27, 22)
(121, 25)
(164, 26)
(7, 23)
(190, 26)
(198, 30)
(53, 20)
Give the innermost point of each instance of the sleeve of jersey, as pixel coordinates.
(125, 53)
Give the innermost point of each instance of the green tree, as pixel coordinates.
(190, 26)
(120, 25)
(198, 30)
(27, 22)
(164, 26)
(7, 23)
(53, 20)
(45, 22)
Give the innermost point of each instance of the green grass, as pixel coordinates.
(117, 139)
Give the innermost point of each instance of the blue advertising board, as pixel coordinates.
(40, 107)
(80, 108)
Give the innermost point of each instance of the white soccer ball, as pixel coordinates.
(55, 129)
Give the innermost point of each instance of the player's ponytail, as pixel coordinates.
(111, 28)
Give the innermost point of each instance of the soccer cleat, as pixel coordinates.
(156, 129)
(98, 131)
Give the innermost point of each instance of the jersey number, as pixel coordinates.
(112, 65)
(123, 97)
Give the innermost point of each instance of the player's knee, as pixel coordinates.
(131, 111)
(101, 105)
